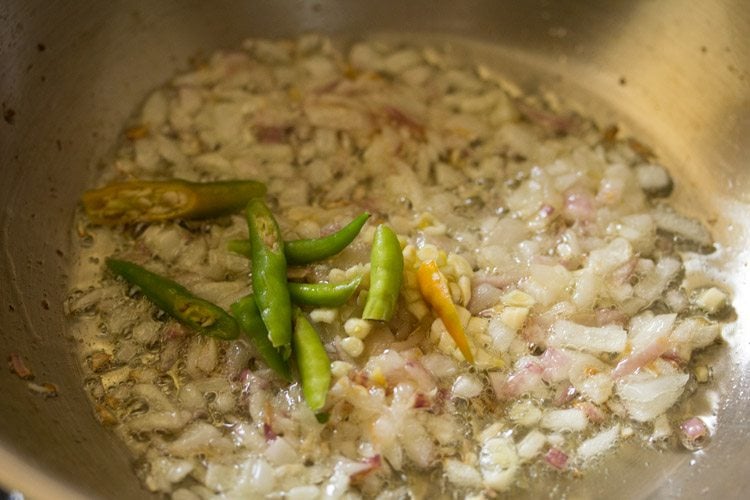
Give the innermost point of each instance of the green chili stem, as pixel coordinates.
(269, 274)
(386, 274)
(150, 201)
(248, 317)
(199, 314)
(312, 362)
(323, 294)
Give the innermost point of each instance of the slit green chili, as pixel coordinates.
(269, 274)
(246, 313)
(312, 362)
(386, 274)
(174, 299)
(151, 201)
(305, 251)
(323, 294)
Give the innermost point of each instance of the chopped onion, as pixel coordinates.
(649, 340)
(693, 433)
(662, 428)
(609, 338)
(531, 445)
(165, 471)
(256, 477)
(439, 365)
(221, 477)
(467, 387)
(681, 226)
(572, 419)
(158, 421)
(598, 444)
(556, 364)
(549, 246)
(646, 396)
(483, 296)
(461, 474)
(525, 413)
(527, 378)
(280, 452)
(502, 335)
(556, 458)
(693, 333)
(417, 443)
(200, 437)
(597, 388)
(302, 492)
(498, 460)
(593, 413)
(653, 179)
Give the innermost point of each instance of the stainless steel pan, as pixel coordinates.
(674, 72)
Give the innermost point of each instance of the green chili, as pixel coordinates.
(312, 362)
(305, 251)
(241, 247)
(201, 315)
(150, 201)
(386, 274)
(299, 252)
(269, 274)
(248, 317)
(323, 294)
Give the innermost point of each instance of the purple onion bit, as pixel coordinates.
(693, 434)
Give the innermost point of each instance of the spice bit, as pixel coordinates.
(641, 149)
(99, 360)
(18, 366)
(137, 132)
(105, 415)
(47, 389)
(609, 135)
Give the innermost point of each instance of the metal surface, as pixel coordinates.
(675, 73)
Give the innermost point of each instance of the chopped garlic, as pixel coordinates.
(525, 413)
(460, 265)
(462, 474)
(531, 445)
(518, 298)
(499, 462)
(428, 252)
(352, 346)
(572, 419)
(115, 377)
(464, 283)
(324, 315)
(357, 327)
(340, 368)
(302, 493)
(711, 300)
(418, 309)
(702, 374)
(336, 275)
(467, 386)
(662, 429)
(514, 316)
(477, 326)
